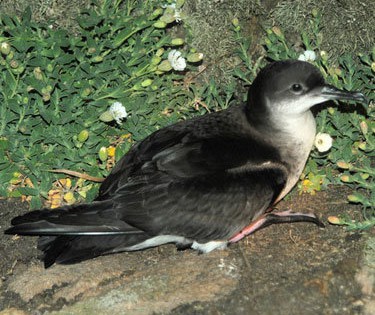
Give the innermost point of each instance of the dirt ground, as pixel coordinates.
(282, 269)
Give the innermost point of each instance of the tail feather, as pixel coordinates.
(75, 233)
(84, 219)
(74, 249)
(63, 212)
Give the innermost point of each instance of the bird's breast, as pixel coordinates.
(295, 144)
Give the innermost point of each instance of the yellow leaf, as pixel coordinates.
(69, 197)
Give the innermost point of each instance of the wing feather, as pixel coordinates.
(195, 180)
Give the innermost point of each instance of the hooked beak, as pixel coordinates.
(332, 93)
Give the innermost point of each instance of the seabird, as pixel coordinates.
(202, 183)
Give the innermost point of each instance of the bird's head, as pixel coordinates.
(291, 88)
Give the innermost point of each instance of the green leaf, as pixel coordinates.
(8, 21)
(36, 202)
(123, 36)
(4, 144)
(89, 20)
(65, 59)
(28, 191)
(26, 16)
(22, 45)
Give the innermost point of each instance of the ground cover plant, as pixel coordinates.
(78, 102)
(56, 90)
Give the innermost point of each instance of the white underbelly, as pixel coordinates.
(299, 139)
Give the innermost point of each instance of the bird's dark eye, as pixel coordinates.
(297, 88)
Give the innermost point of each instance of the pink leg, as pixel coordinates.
(276, 217)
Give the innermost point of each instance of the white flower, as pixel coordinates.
(177, 15)
(118, 112)
(177, 62)
(4, 45)
(323, 142)
(177, 12)
(308, 55)
(172, 6)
